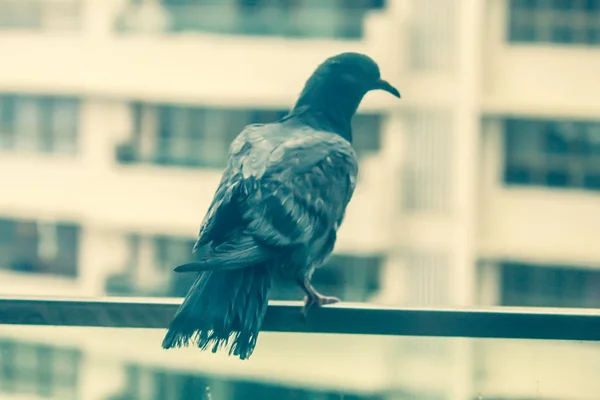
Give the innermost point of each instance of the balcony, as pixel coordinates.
(539, 180)
(542, 58)
(101, 62)
(291, 19)
(347, 351)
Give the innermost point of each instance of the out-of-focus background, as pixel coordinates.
(480, 187)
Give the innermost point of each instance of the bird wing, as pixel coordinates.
(306, 185)
(283, 187)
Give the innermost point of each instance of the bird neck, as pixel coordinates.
(326, 107)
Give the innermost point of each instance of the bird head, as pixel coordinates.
(353, 73)
(345, 77)
(334, 91)
(336, 88)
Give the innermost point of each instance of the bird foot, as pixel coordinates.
(317, 301)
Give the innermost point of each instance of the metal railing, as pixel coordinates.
(344, 318)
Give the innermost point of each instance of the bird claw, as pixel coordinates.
(318, 301)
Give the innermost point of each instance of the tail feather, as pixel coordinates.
(223, 309)
(229, 255)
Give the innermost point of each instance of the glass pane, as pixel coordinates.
(100, 363)
(7, 121)
(557, 22)
(478, 188)
(65, 124)
(28, 124)
(290, 18)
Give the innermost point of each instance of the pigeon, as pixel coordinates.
(281, 199)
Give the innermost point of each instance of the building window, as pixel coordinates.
(427, 173)
(149, 268)
(152, 259)
(185, 136)
(562, 154)
(558, 22)
(432, 36)
(145, 383)
(286, 18)
(200, 137)
(366, 134)
(40, 14)
(41, 124)
(34, 247)
(526, 285)
(169, 253)
(41, 370)
(263, 391)
(196, 136)
(352, 278)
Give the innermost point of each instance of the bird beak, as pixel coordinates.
(385, 85)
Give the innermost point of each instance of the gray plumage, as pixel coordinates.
(277, 209)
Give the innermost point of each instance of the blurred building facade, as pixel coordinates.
(480, 187)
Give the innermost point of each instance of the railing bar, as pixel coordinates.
(345, 318)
